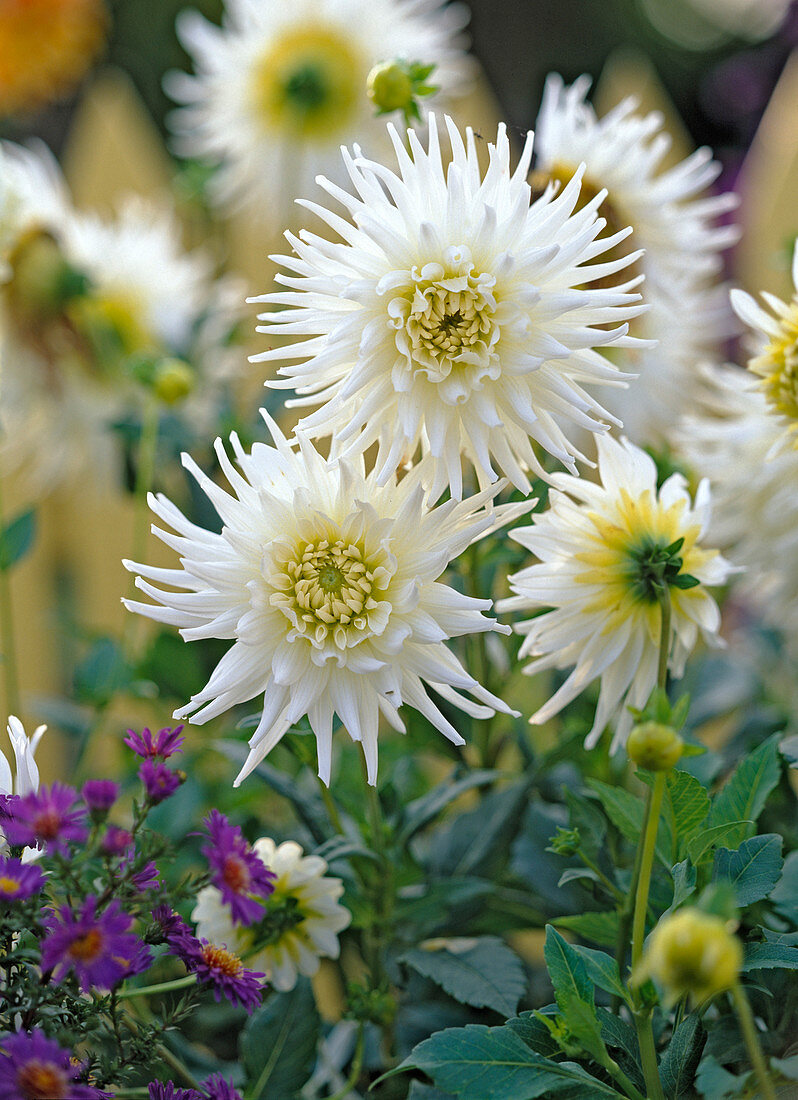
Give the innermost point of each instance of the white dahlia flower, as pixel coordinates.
(25, 777)
(452, 316)
(776, 364)
(674, 220)
(279, 87)
(327, 582)
(301, 922)
(601, 549)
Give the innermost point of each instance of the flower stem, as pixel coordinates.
(748, 1028)
(329, 803)
(357, 1065)
(145, 474)
(161, 987)
(10, 668)
(664, 638)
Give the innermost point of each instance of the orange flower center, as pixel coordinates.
(219, 958)
(42, 1081)
(87, 947)
(47, 824)
(235, 873)
(8, 886)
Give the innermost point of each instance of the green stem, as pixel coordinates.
(329, 803)
(145, 474)
(161, 987)
(10, 667)
(165, 1054)
(606, 882)
(357, 1065)
(648, 1055)
(664, 638)
(748, 1028)
(628, 1087)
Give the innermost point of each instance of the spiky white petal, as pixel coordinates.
(238, 111)
(301, 947)
(451, 316)
(327, 582)
(25, 777)
(599, 623)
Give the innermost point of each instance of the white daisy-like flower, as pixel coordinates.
(328, 583)
(25, 777)
(302, 917)
(279, 87)
(35, 194)
(602, 550)
(453, 316)
(754, 517)
(674, 220)
(776, 364)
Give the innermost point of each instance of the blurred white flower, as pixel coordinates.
(776, 364)
(302, 917)
(25, 779)
(279, 87)
(454, 316)
(601, 548)
(328, 584)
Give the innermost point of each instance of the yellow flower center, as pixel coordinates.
(446, 317)
(327, 589)
(778, 367)
(42, 1081)
(88, 946)
(9, 886)
(219, 958)
(113, 326)
(308, 82)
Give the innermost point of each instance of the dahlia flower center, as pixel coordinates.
(9, 887)
(446, 317)
(235, 874)
(781, 369)
(282, 916)
(42, 1081)
(219, 958)
(308, 82)
(327, 590)
(87, 946)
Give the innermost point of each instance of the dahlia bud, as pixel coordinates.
(395, 86)
(42, 280)
(654, 746)
(173, 380)
(692, 952)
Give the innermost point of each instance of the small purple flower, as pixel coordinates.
(173, 926)
(146, 879)
(97, 946)
(159, 781)
(139, 961)
(19, 880)
(165, 1090)
(222, 969)
(100, 795)
(47, 817)
(115, 841)
(217, 1088)
(33, 1067)
(239, 874)
(166, 743)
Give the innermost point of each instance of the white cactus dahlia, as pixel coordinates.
(327, 583)
(602, 551)
(452, 315)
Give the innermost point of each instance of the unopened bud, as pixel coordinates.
(654, 746)
(42, 281)
(692, 952)
(172, 381)
(390, 87)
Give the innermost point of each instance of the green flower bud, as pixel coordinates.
(565, 842)
(390, 87)
(172, 381)
(695, 953)
(654, 746)
(42, 281)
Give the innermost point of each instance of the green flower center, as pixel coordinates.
(282, 916)
(653, 569)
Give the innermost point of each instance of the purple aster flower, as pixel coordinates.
(47, 817)
(222, 969)
(165, 1090)
(100, 795)
(97, 946)
(173, 926)
(217, 1088)
(33, 1067)
(165, 744)
(236, 870)
(19, 880)
(159, 781)
(115, 841)
(139, 961)
(146, 879)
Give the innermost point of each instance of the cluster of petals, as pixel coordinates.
(452, 315)
(327, 582)
(160, 782)
(589, 545)
(97, 946)
(216, 1087)
(51, 816)
(26, 777)
(19, 880)
(236, 870)
(301, 885)
(31, 1065)
(164, 744)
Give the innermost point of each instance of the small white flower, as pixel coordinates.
(454, 316)
(328, 584)
(673, 219)
(302, 917)
(279, 87)
(596, 545)
(776, 365)
(26, 777)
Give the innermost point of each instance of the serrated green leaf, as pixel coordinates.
(419, 1091)
(680, 1061)
(532, 1029)
(476, 1062)
(278, 1045)
(689, 804)
(573, 991)
(601, 928)
(16, 539)
(753, 870)
(770, 956)
(743, 796)
(785, 894)
(684, 882)
(488, 975)
(423, 810)
(626, 811)
(713, 1082)
(602, 969)
(574, 874)
(474, 841)
(588, 819)
(729, 835)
